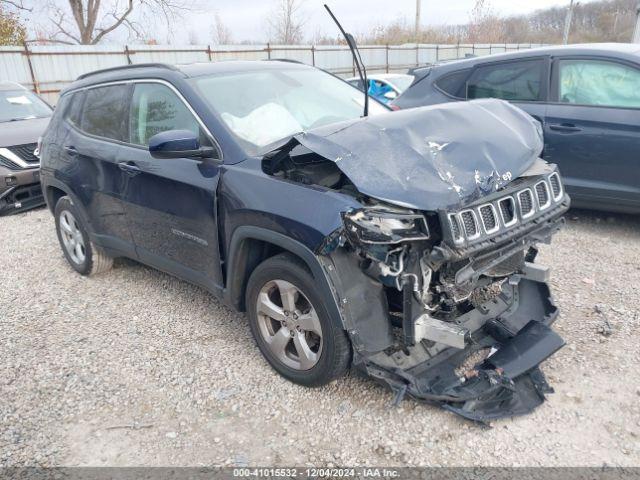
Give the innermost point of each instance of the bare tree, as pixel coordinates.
(285, 23)
(89, 21)
(485, 26)
(220, 32)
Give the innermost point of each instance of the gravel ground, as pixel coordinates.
(133, 367)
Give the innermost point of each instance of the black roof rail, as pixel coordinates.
(127, 67)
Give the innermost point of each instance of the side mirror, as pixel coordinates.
(178, 144)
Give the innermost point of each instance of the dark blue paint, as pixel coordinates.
(180, 214)
(166, 144)
(596, 148)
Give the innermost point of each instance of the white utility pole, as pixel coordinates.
(636, 32)
(567, 24)
(418, 21)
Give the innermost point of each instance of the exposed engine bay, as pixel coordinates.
(445, 304)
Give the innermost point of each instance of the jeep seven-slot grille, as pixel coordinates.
(26, 152)
(554, 180)
(471, 228)
(455, 228)
(489, 220)
(542, 193)
(505, 212)
(526, 202)
(508, 210)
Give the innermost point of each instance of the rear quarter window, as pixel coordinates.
(520, 80)
(105, 112)
(453, 84)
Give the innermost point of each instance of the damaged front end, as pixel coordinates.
(441, 296)
(450, 307)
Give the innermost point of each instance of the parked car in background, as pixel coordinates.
(587, 98)
(384, 87)
(402, 243)
(23, 119)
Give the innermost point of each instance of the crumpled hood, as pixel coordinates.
(434, 157)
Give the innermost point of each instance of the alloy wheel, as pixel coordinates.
(72, 237)
(289, 325)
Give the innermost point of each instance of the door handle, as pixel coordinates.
(564, 127)
(129, 168)
(70, 149)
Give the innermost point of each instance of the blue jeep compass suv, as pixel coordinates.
(399, 243)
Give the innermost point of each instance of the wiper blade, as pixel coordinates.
(357, 59)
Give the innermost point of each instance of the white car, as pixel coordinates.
(384, 86)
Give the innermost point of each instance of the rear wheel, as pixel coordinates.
(84, 256)
(291, 323)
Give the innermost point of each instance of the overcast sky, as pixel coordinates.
(247, 18)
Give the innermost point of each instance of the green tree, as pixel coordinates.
(12, 32)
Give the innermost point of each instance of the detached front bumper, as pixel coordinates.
(19, 190)
(505, 379)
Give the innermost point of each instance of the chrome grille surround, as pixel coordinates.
(518, 205)
(489, 215)
(556, 186)
(456, 231)
(470, 224)
(543, 195)
(514, 217)
(525, 202)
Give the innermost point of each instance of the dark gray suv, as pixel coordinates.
(586, 97)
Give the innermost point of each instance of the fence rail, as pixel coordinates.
(48, 69)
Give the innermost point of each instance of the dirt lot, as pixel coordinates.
(134, 367)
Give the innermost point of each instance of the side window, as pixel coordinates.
(73, 109)
(453, 83)
(156, 108)
(599, 82)
(520, 80)
(105, 111)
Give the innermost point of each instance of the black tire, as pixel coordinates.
(95, 260)
(335, 355)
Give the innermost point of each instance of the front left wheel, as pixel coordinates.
(292, 325)
(80, 252)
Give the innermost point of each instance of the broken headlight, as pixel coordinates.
(378, 225)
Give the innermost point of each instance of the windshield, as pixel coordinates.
(262, 107)
(21, 105)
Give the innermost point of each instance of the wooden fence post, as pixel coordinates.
(209, 52)
(313, 55)
(268, 50)
(34, 81)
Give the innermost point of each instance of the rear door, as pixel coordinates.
(523, 82)
(593, 130)
(171, 203)
(98, 119)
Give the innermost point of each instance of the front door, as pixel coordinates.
(593, 131)
(170, 203)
